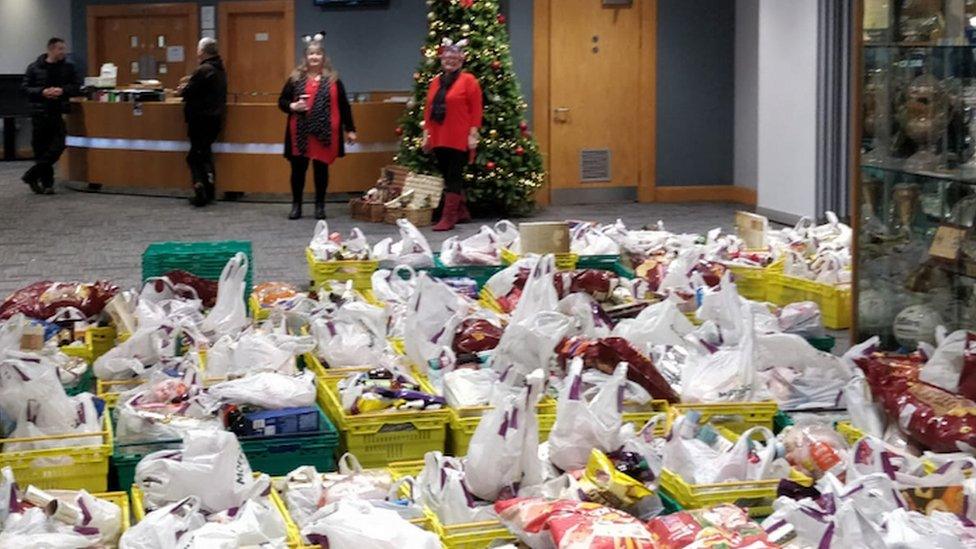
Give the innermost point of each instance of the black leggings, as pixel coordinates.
(451, 162)
(320, 173)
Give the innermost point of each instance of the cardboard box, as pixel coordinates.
(544, 237)
(752, 229)
(286, 421)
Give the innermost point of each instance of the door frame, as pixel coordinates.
(190, 10)
(226, 9)
(542, 88)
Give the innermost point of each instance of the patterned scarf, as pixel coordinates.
(438, 110)
(318, 121)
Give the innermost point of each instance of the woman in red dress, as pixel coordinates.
(452, 120)
(319, 117)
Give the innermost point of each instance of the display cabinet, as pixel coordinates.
(915, 181)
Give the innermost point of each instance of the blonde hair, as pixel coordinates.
(328, 71)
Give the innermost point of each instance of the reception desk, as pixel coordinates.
(118, 145)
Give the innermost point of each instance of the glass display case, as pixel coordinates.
(915, 193)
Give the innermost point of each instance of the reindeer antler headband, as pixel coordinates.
(448, 45)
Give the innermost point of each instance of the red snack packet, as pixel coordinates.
(475, 335)
(604, 355)
(572, 524)
(42, 300)
(931, 416)
(597, 283)
(725, 526)
(206, 289)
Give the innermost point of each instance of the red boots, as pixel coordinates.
(464, 216)
(450, 213)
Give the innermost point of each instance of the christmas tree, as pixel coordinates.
(508, 168)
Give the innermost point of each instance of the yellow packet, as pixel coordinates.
(601, 482)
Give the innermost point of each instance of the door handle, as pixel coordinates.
(561, 115)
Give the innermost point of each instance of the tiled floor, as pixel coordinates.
(79, 235)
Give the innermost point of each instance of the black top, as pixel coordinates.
(40, 74)
(206, 92)
(288, 96)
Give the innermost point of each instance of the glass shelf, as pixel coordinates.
(911, 46)
(967, 176)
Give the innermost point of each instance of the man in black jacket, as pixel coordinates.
(48, 82)
(204, 104)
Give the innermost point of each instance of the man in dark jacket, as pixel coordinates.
(204, 104)
(48, 82)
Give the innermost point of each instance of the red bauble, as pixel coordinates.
(496, 65)
(519, 151)
(399, 130)
(523, 125)
(501, 18)
(490, 165)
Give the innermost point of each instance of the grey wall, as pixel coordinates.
(747, 93)
(695, 87)
(374, 49)
(25, 26)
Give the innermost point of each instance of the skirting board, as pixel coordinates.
(706, 193)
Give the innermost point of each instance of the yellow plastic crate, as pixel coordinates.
(834, 301)
(122, 500)
(69, 468)
(750, 281)
(464, 421)
(379, 438)
(756, 495)
(734, 416)
(257, 311)
(98, 341)
(640, 415)
(359, 272)
(470, 535)
(850, 433)
(564, 261)
(487, 300)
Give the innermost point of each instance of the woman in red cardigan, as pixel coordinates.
(319, 120)
(452, 119)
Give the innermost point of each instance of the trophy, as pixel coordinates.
(921, 21)
(905, 199)
(925, 116)
(876, 122)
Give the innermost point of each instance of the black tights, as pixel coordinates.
(320, 173)
(451, 162)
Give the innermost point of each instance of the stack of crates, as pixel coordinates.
(204, 259)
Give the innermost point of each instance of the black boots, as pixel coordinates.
(319, 210)
(296, 211)
(199, 198)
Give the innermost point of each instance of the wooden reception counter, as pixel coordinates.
(118, 145)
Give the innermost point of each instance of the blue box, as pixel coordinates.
(282, 422)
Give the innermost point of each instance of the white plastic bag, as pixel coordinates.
(412, 249)
(530, 344)
(355, 524)
(444, 491)
(659, 324)
(944, 367)
(469, 387)
(728, 374)
(229, 313)
(590, 239)
(539, 293)
(797, 375)
(482, 248)
(268, 390)
(508, 235)
(257, 523)
(582, 426)
(256, 351)
(209, 458)
(589, 320)
(433, 313)
(164, 527)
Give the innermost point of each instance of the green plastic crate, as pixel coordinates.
(275, 455)
(85, 384)
(480, 273)
(781, 421)
(204, 259)
(601, 262)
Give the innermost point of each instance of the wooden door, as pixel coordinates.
(258, 39)
(129, 36)
(594, 114)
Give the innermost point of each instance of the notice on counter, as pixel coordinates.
(175, 54)
(260, 37)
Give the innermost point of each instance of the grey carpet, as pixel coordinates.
(85, 236)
